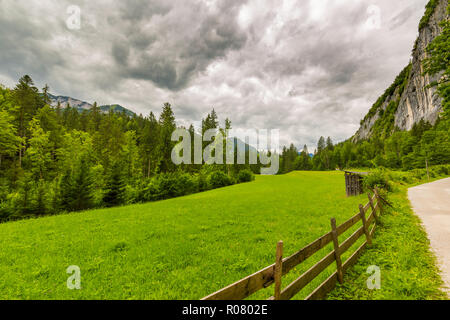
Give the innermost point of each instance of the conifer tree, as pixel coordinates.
(115, 186)
(41, 201)
(28, 100)
(167, 127)
(82, 195)
(77, 188)
(66, 190)
(149, 144)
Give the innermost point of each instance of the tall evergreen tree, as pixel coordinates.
(305, 159)
(28, 100)
(82, 187)
(77, 188)
(149, 144)
(45, 94)
(167, 127)
(115, 186)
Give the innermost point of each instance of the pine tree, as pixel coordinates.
(305, 159)
(66, 190)
(130, 155)
(45, 94)
(40, 206)
(330, 145)
(28, 100)
(71, 118)
(149, 144)
(115, 187)
(321, 145)
(167, 127)
(25, 190)
(76, 188)
(82, 196)
(95, 117)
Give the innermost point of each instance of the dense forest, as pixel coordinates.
(55, 159)
(388, 146)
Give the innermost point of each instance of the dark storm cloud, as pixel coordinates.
(169, 44)
(120, 52)
(137, 10)
(306, 67)
(22, 44)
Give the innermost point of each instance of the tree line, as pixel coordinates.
(424, 145)
(55, 159)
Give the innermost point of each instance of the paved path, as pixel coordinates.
(431, 202)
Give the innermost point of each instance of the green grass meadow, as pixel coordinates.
(183, 248)
(402, 252)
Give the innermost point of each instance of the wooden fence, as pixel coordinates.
(354, 183)
(273, 273)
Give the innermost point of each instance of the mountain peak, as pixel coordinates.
(82, 105)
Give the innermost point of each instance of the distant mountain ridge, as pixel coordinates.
(82, 105)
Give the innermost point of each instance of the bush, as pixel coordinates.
(131, 194)
(10, 206)
(378, 179)
(245, 176)
(168, 185)
(186, 184)
(202, 183)
(441, 170)
(218, 179)
(150, 191)
(419, 174)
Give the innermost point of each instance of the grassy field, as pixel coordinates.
(182, 248)
(402, 251)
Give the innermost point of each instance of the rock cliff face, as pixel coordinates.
(410, 96)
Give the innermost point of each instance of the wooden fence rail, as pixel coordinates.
(274, 273)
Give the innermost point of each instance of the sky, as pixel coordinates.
(309, 68)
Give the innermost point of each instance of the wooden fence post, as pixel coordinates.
(379, 201)
(373, 208)
(278, 270)
(365, 226)
(347, 183)
(337, 251)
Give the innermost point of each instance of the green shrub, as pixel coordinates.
(169, 185)
(219, 179)
(202, 183)
(150, 191)
(131, 194)
(419, 174)
(441, 170)
(245, 176)
(186, 184)
(377, 178)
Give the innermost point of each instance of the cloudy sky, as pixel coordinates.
(306, 67)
